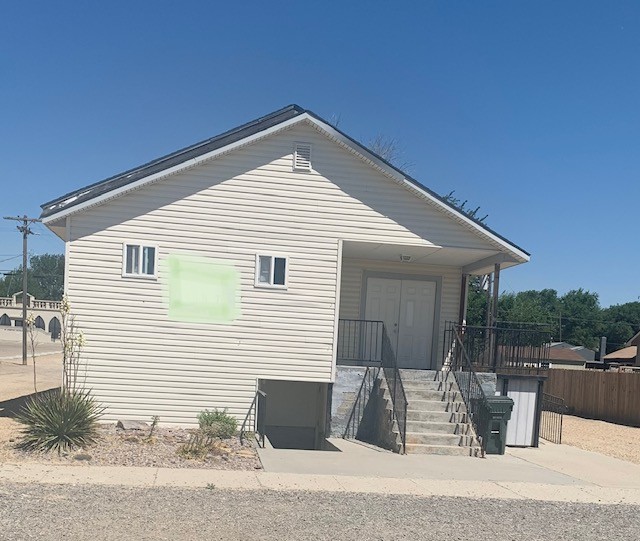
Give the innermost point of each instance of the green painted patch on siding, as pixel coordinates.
(201, 290)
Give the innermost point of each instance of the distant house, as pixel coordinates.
(628, 355)
(565, 355)
(257, 260)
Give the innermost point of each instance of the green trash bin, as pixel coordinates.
(494, 414)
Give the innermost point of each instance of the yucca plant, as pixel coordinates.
(59, 420)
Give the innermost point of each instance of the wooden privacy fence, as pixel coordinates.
(608, 396)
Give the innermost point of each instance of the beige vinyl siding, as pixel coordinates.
(250, 201)
(352, 287)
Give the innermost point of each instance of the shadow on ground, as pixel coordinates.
(9, 408)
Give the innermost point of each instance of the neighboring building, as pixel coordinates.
(235, 264)
(45, 312)
(629, 355)
(565, 355)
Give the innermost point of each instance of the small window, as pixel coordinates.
(271, 271)
(302, 157)
(139, 260)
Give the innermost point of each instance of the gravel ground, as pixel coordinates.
(132, 448)
(114, 513)
(610, 439)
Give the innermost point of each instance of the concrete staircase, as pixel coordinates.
(436, 415)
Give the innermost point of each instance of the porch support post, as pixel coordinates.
(494, 316)
(488, 314)
(464, 300)
(496, 288)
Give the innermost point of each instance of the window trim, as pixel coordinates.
(271, 285)
(141, 246)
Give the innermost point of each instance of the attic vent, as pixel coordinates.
(302, 156)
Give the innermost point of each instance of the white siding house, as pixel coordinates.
(332, 223)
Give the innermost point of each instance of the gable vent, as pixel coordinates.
(302, 156)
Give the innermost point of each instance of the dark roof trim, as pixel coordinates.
(234, 135)
(175, 158)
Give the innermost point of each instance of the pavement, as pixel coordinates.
(16, 379)
(556, 473)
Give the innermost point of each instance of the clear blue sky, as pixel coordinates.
(529, 109)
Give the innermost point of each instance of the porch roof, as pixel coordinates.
(471, 260)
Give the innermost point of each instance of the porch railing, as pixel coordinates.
(396, 388)
(553, 409)
(473, 395)
(505, 347)
(359, 342)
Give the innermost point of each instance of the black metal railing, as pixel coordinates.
(396, 388)
(359, 342)
(473, 395)
(553, 408)
(356, 426)
(256, 419)
(505, 347)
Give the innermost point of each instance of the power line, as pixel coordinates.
(10, 258)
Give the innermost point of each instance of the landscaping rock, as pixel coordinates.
(132, 425)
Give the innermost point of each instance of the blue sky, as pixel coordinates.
(529, 109)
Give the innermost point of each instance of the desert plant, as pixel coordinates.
(59, 420)
(33, 342)
(217, 423)
(73, 341)
(198, 446)
(154, 424)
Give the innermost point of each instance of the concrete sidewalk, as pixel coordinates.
(551, 473)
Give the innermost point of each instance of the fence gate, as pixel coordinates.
(553, 409)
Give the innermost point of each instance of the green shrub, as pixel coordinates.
(59, 420)
(217, 424)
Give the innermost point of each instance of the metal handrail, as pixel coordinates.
(470, 387)
(352, 430)
(259, 416)
(396, 388)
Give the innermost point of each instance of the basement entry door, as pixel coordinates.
(407, 308)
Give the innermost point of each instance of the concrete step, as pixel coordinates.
(420, 375)
(436, 416)
(420, 449)
(427, 394)
(440, 439)
(440, 427)
(429, 385)
(436, 405)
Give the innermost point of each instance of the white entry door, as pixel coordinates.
(415, 328)
(383, 304)
(407, 308)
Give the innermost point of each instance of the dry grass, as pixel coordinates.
(610, 439)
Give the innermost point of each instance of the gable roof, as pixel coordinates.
(113, 186)
(633, 341)
(625, 354)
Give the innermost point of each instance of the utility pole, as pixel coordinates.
(24, 229)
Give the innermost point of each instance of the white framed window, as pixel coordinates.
(272, 271)
(302, 157)
(139, 260)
